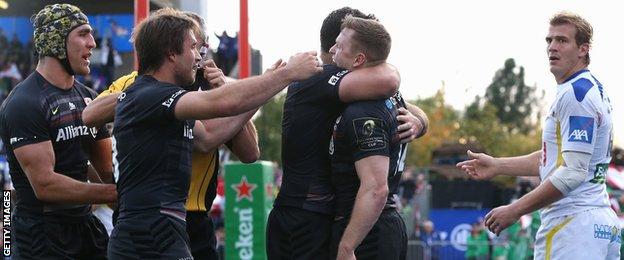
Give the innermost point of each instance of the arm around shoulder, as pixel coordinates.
(375, 82)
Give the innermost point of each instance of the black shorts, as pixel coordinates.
(152, 236)
(58, 238)
(294, 233)
(387, 239)
(201, 233)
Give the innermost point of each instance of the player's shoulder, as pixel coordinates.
(84, 90)
(26, 93)
(581, 87)
(331, 74)
(373, 108)
(146, 89)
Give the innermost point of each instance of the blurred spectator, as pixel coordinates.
(407, 186)
(9, 74)
(110, 59)
(416, 234)
(15, 45)
(220, 234)
(4, 42)
(477, 243)
(430, 239)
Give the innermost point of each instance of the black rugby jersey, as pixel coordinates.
(310, 109)
(37, 111)
(151, 150)
(364, 129)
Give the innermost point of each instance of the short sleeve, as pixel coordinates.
(120, 84)
(366, 133)
(159, 102)
(578, 123)
(25, 123)
(322, 88)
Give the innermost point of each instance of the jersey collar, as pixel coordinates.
(574, 75)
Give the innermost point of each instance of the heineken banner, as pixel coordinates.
(248, 200)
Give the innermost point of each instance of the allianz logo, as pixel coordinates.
(71, 131)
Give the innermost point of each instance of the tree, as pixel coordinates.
(269, 126)
(443, 125)
(515, 102)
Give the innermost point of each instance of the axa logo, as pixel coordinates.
(579, 135)
(581, 129)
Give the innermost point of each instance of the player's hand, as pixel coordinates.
(278, 64)
(345, 254)
(302, 66)
(213, 74)
(480, 166)
(410, 126)
(501, 218)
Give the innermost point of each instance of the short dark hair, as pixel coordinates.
(160, 35)
(332, 23)
(370, 37)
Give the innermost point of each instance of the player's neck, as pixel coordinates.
(52, 70)
(326, 58)
(164, 74)
(578, 67)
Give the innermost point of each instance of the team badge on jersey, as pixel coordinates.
(581, 129)
(369, 134)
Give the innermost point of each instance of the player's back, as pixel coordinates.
(365, 128)
(310, 108)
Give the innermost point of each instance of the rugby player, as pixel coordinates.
(577, 221)
(152, 135)
(49, 147)
(299, 224)
(367, 156)
(238, 132)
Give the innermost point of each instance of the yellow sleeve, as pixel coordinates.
(120, 84)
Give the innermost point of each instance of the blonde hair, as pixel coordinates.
(370, 36)
(584, 30)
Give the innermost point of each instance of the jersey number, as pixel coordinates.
(401, 159)
(115, 162)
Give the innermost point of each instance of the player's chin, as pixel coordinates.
(83, 71)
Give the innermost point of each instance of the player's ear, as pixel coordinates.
(171, 56)
(360, 59)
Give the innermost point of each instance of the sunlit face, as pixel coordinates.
(80, 42)
(343, 52)
(186, 62)
(565, 56)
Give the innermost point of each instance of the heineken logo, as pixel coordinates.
(243, 189)
(245, 240)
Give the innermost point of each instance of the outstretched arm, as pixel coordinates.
(481, 166)
(247, 94)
